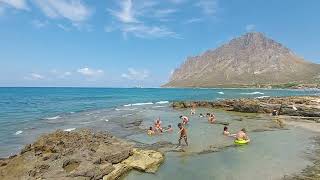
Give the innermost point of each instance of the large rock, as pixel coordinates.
(81, 154)
(145, 160)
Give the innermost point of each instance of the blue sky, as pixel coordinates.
(124, 43)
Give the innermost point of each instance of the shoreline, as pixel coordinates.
(137, 153)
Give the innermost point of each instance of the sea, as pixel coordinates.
(27, 113)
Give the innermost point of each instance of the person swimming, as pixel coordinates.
(201, 115)
(169, 129)
(185, 119)
(212, 118)
(157, 125)
(242, 135)
(183, 134)
(150, 131)
(226, 131)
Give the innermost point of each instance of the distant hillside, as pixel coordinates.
(249, 60)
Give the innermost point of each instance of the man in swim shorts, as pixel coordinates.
(242, 135)
(183, 134)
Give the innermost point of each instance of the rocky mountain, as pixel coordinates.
(249, 60)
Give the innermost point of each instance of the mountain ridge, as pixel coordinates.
(249, 60)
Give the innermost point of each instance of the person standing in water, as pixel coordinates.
(185, 119)
(183, 134)
(193, 110)
(212, 118)
(157, 125)
(242, 135)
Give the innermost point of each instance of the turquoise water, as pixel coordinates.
(25, 113)
(270, 155)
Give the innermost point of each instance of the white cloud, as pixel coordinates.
(18, 4)
(73, 10)
(143, 31)
(133, 18)
(250, 27)
(134, 74)
(90, 72)
(193, 20)
(208, 7)
(34, 76)
(126, 13)
(39, 24)
(164, 12)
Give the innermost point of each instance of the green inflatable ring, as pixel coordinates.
(241, 142)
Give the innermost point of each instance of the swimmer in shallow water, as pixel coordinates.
(157, 125)
(226, 131)
(183, 134)
(150, 131)
(185, 119)
(212, 118)
(201, 115)
(242, 135)
(169, 129)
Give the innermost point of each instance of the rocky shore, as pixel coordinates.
(81, 154)
(303, 106)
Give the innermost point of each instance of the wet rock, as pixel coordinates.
(306, 106)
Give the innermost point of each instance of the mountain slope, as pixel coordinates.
(247, 60)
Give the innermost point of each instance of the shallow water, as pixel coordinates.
(270, 155)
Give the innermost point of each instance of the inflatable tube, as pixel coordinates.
(241, 142)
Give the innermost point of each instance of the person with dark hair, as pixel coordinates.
(150, 131)
(183, 134)
(275, 113)
(226, 131)
(169, 129)
(212, 118)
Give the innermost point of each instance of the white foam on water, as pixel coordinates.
(138, 104)
(253, 93)
(158, 106)
(106, 120)
(53, 118)
(18, 132)
(126, 109)
(221, 92)
(162, 102)
(71, 112)
(142, 104)
(261, 97)
(70, 129)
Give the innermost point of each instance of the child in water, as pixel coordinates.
(183, 134)
(226, 131)
(150, 131)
